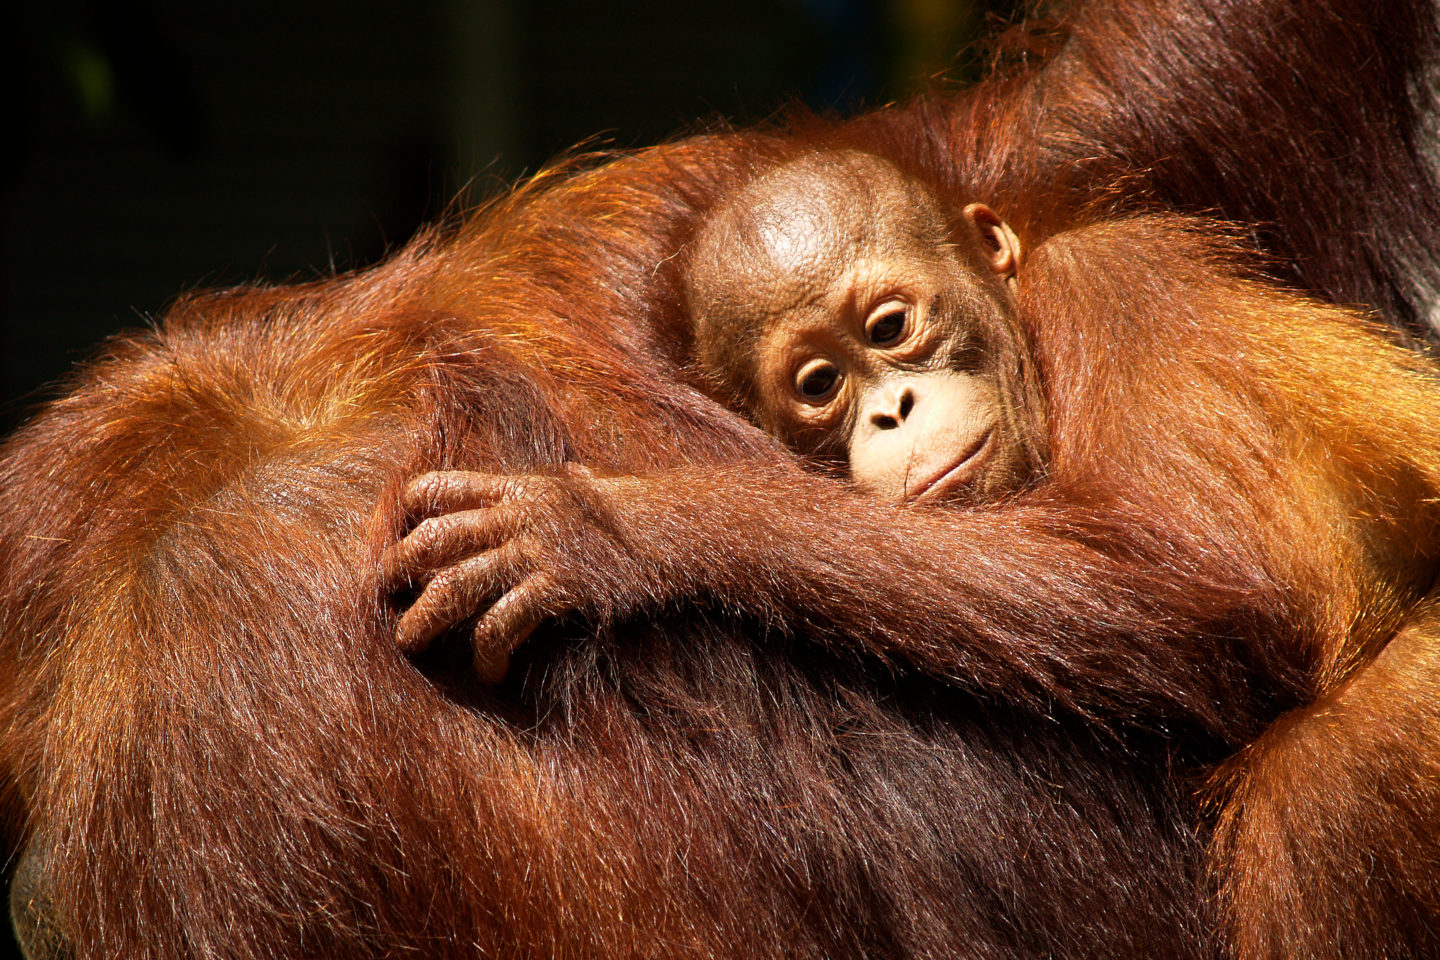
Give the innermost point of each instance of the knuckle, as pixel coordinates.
(427, 535)
(553, 593)
(515, 487)
(450, 586)
(513, 555)
(425, 493)
(550, 489)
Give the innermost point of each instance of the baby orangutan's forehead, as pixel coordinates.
(796, 246)
(784, 240)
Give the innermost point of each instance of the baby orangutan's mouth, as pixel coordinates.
(963, 472)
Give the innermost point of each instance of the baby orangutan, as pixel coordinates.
(1120, 479)
(837, 303)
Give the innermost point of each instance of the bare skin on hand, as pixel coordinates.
(481, 542)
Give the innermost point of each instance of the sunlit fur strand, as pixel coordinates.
(1134, 104)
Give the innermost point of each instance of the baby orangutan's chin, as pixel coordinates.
(963, 479)
(971, 466)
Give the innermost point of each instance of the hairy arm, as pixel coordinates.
(1036, 601)
(1166, 568)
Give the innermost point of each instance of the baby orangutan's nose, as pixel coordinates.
(893, 407)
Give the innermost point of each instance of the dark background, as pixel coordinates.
(155, 146)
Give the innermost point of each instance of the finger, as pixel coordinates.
(511, 619)
(445, 540)
(446, 491)
(453, 595)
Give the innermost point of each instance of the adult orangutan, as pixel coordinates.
(677, 787)
(213, 749)
(1217, 495)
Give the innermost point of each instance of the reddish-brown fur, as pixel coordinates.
(229, 736)
(1241, 508)
(208, 729)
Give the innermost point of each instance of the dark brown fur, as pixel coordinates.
(206, 725)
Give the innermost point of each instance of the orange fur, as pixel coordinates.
(206, 734)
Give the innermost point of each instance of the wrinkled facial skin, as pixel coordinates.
(876, 326)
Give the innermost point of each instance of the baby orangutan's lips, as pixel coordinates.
(960, 474)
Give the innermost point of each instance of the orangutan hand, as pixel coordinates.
(510, 550)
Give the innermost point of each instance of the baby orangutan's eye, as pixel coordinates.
(886, 326)
(816, 381)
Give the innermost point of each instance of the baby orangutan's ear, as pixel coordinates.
(998, 243)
